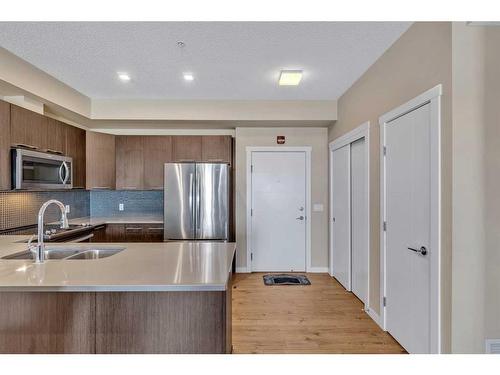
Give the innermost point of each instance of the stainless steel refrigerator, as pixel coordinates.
(196, 200)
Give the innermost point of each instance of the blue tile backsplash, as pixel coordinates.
(105, 202)
(19, 209)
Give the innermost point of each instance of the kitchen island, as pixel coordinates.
(149, 298)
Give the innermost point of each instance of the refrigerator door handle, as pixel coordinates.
(192, 201)
(198, 204)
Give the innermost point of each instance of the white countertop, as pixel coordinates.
(167, 266)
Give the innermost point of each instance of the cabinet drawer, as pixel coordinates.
(153, 233)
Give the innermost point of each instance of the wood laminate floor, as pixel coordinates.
(319, 318)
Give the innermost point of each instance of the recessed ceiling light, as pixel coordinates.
(188, 76)
(290, 77)
(124, 76)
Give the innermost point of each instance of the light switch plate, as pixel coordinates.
(120, 207)
(318, 207)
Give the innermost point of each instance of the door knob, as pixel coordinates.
(422, 250)
(301, 209)
(300, 218)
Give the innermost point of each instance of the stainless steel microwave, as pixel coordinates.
(33, 170)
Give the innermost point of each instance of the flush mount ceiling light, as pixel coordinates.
(290, 77)
(188, 76)
(123, 76)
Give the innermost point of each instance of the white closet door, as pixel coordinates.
(359, 245)
(341, 217)
(408, 215)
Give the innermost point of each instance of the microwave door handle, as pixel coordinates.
(66, 176)
(60, 173)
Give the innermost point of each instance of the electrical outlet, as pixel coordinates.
(120, 207)
(67, 208)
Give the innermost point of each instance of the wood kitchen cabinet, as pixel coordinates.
(115, 233)
(99, 233)
(100, 165)
(216, 149)
(130, 233)
(143, 233)
(28, 129)
(75, 148)
(153, 232)
(129, 163)
(56, 136)
(186, 148)
(157, 152)
(5, 182)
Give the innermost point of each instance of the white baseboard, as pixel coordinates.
(375, 317)
(318, 270)
(242, 270)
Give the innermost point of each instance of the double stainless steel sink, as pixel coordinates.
(69, 253)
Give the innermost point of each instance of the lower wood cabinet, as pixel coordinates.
(115, 322)
(129, 233)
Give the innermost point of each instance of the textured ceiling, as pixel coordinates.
(230, 60)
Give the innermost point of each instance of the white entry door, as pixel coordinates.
(407, 209)
(341, 216)
(278, 212)
(359, 240)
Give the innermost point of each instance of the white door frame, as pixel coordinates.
(307, 152)
(362, 131)
(432, 97)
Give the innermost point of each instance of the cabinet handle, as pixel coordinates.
(217, 160)
(129, 188)
(54, 151)
(101, 187)
(186, 160)
(26, 146)
(133, 228)
(155, 228)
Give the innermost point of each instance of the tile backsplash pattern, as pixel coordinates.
(105, 202)
(19, 209)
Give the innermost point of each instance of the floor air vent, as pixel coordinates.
(286, 280)
(493, 346)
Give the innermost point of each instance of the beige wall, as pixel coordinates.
(492, 182)
(468, 266)
(418, 61)
(17, 77)
(317, 139)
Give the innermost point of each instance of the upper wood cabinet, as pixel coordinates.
(56, 136)
(186, 148)
(5, 182)
(100, 163)
(216, 149)
(27, 128)
(75, 148)
(157, 152)
(129, 163)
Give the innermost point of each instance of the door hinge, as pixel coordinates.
(385, 150)
(251, 212)
(251, 256)
(385, 226)
(384, 301)
(251, 169)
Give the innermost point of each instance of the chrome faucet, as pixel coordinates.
(39, 248)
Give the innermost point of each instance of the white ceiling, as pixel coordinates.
(230, 60)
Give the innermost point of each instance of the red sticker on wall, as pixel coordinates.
(280, 139)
